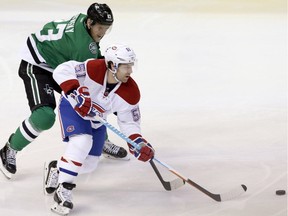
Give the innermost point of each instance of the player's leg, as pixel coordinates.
(91, 161)
(77, 132)
(77, 161)
(69, 167)
(39, 90)
(51, 172)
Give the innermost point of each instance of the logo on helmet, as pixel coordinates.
(93, 48)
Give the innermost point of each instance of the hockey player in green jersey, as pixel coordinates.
(57, 42)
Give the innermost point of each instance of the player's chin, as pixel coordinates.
(124, 80)
(97, 38)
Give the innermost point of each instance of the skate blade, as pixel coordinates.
(44, 178)
(60, 210)
(6, 173)
(45, 174)
(127, 158)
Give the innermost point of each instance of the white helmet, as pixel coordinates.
(119, 54)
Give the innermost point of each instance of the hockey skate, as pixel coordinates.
(8, 159)
(63, 199)
(113, 151)
(51, 174)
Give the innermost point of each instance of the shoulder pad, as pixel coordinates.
(96, 70)
(129, 91)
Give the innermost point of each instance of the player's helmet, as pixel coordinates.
(100, 13)
(119, 54)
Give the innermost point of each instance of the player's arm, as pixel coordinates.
(129, 123)
(67, 75)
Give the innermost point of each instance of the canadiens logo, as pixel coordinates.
(93, 48)
(70, 128)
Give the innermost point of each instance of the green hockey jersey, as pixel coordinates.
(63, 40)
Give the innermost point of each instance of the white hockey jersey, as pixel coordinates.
(123, 99)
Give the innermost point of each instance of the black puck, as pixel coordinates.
(280, 192)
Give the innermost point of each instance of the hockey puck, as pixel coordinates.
(280, 192)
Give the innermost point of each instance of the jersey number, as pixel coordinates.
(136, 114)
(52, 36)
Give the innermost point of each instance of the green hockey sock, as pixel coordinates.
(18, 141)
(41, 119)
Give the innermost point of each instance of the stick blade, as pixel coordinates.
(176, 183)
(168, 185)
(234, 193)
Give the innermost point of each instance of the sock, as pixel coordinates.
(41, 119)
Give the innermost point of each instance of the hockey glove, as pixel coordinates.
(96, 110)
(146, 151)
(83, 99)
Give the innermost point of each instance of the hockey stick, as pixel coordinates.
(217, 197)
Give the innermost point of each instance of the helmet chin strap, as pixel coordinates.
(114, 74)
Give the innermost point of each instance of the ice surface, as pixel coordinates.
(214, 106)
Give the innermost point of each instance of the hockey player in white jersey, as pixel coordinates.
(94, 87)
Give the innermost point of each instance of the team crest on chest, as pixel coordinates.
(93, 48)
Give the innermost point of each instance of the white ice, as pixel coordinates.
(213, 78)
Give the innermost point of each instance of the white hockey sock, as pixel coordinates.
(90, 164)
(75, 154)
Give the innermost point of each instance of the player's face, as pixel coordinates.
(98, 31)
(124, 71)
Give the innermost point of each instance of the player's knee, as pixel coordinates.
(78, 147)
(90, 164)
(43, 118)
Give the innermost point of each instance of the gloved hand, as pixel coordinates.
(96, 110)
(83, 99)
(146, 151)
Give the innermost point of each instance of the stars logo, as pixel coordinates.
(48, 89)
(93, 48)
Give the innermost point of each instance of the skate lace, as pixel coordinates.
(110, 148)
(66, 195)
(11, 156)
(52, 179)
